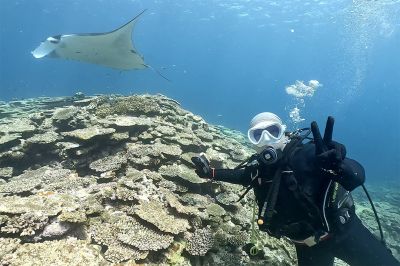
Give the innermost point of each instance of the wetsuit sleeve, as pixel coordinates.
(235, 176)
(351, 174)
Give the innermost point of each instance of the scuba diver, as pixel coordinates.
(303, 193)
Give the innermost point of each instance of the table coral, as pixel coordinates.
(155, 213)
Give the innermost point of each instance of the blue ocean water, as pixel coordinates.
(229, 60)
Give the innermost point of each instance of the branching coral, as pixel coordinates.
(25, 225)
(200, 242)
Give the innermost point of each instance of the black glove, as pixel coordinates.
(329, 154)
(202, 165)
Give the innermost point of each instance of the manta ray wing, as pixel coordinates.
(112, 49)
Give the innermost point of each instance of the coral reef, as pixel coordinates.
(108, 180)
(68, 251)
(387, 201)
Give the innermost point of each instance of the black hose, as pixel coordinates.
(376, 215)
(273, 194)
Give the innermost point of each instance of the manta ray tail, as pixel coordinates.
(157, 72)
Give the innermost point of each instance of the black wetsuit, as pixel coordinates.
(298, 213)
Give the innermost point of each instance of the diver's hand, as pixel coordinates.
(330, 154)
(202, 165)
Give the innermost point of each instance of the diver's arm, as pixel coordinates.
(241, 176)
(234, 176)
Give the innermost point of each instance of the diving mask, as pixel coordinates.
(266, 133)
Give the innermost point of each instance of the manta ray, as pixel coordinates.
(113, 49)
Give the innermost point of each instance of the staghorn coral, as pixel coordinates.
(155, 213)
(200, 242)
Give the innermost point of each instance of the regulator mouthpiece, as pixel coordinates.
(269, 155)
